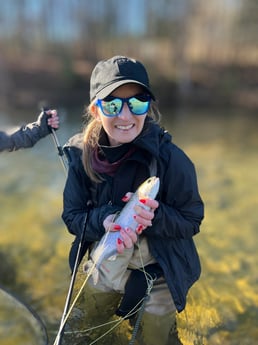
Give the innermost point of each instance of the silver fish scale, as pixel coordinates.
(107, 245)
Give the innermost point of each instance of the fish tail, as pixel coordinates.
(91, 270)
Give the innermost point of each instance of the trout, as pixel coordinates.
(106, 248)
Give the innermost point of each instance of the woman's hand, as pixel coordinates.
(53, 118)
(144, 217)
(128, 236)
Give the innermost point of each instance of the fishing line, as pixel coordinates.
(89, 273)
(63, 322)
(66, 313)
(94, 327)
(106, 333)
(117, 323)
(142, 264)
(150, 283)
(141, 303)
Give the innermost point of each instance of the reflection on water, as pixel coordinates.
(223, 306)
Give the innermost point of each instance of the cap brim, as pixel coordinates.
(110, 88)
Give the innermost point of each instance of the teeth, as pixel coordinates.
(124, 127)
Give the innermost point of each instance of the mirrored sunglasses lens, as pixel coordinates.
(138, 107)
(112, 107)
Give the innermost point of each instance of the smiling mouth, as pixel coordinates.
(125, 128)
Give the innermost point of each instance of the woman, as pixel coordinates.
(120, 143)
(29, 135)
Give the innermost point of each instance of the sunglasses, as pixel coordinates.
(112, 106)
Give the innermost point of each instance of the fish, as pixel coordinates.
(106, 248)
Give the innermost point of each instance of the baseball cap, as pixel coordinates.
(109, 74)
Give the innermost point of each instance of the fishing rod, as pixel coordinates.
(67, 307)
(59, 148)
(64, 163)
(71, 285)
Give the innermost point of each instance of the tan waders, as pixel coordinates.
(97, 307)
(98, 303)
(158, 330)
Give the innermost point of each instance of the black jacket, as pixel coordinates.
(176, 221)
(25, 136)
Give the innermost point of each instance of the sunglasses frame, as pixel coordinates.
(124, 100)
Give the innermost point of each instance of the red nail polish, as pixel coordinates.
(134, 216)
(119, 241)
(124, 198)
(140, 227)
(143, 201)
(117, 227)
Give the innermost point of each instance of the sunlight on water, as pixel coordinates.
(223, 305)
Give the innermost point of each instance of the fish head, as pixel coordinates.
(149, 188)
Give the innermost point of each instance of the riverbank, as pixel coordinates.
(64, 82)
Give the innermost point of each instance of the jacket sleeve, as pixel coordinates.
(25, 136)
(181, 208)
(76, 197)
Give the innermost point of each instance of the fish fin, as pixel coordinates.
(87, 266)
(90, 268)
(95, 276)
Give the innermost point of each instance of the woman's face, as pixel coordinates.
(125, 127)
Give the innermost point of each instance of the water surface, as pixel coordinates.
(223, 305)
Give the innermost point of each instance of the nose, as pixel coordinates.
(125, 113)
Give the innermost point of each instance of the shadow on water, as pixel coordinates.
(222, 305)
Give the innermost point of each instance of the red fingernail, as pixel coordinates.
(124, 198)
(143, 201)
(117, 227)
(119, 241)
(139, 228)
(134, 216)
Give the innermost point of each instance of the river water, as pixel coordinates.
(34, 244)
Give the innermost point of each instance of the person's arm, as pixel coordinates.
(27, 136)
(75, 205)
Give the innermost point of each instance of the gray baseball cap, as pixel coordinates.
(109, 74)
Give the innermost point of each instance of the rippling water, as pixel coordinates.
(223, 305)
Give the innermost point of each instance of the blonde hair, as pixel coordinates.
(91, 133)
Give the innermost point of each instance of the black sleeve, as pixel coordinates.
(76, 195)
(26, 136)
(181, 208)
